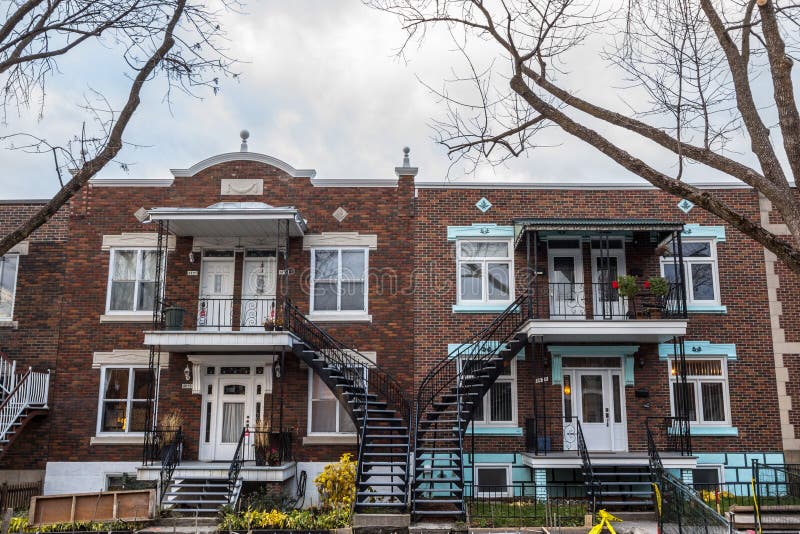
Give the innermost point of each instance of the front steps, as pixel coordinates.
(182, 525)
(624, 489)
(199, 496)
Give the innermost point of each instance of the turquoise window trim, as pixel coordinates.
(628, 362)
(699, 348)
(482, 308)
(479, 230)
(484, 430)
(698, 230)
(707, 308)
(453, 347)
(593, 350)
(696, 430)
(556, 370)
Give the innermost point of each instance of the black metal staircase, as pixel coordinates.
(445, 406)
(376, 403)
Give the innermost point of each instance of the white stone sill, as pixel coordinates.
(330, 440)
(117, 440)
(5, 323)
(339, 317)
(127, 318)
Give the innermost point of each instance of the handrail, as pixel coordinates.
(8, 374)
(31, 390)
(169, 460)
(236, 464)
(592, 483)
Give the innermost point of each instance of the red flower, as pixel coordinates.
(615, 284)
(647, 284)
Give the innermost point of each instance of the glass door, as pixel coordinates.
(216, 294)
(607, 266)
(233, 409)
(598, 403)
(258, 289)
(566, 280)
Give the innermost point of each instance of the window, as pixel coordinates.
(493, 481)
(339, 280)
(706, 393)
(484, 272)
(700, 267)
(123, 399)
(499, 405)
(326, 415)
(8, 284)
(132, 280)
(706, 476)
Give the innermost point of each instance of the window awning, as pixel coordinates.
(232, 219)
(589, 227)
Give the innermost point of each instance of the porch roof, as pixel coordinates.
(581, 226)
(231, 219)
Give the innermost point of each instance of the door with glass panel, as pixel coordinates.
(215, 307)
(234, 407)
(607, 266)
(565, 264)
(597, 401)
(258, 289)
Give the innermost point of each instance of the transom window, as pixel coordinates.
(498, 406)
(339, 280)
(706, 393)
(8, 284)
(132, 280)
(326, 414)
(700, 267)
(484, 272)
(123, 399)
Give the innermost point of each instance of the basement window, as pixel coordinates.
(493, 480)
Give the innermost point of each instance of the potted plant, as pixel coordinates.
(274, 458)
(279, 322)
(627, 288)
(269, 323)
(261, 441)
(659, 288)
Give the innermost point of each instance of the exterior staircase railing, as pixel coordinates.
(455, 385)
(593, 487)
(360, 384)
(8, 375)
(29, 392)
(170, 458)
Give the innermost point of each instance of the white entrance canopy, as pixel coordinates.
(232, 219)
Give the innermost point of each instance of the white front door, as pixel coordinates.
(607, 266)
(215, 309)
(598, 403)
(566, 282)
(258, 292)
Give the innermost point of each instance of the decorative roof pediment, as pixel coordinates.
(243, 156)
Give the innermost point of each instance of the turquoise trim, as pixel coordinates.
(709, 430)
(481, 430)
(592, 350)
(482, 308)
(479, 230)
(452, 348)
(699, 348)
(707, 308)
(628, 362)
(697, 230)
(557, 372)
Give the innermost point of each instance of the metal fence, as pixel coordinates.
(682, 510)
(526, 504)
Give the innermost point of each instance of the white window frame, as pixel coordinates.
(483, 260)
(695, 381)
(487, 399)
(508, 484)
(687, 269)
(139, 254)
(128, 400)
(309, 432)
(338, 309)
(3, 264)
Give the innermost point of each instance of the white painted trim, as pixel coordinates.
(339, 317)
(22, 248)
(242, 186)
(189, 341)
(509, 479)
(484, 260)
(131, 182)
(571, 460)
(135, 240)
(144, 317)
(340, 239)
(105, 439)
(199, 243)
(354, 182)
(588, 186)
(9, 324)
(328, 436)
(633, 331)
(122, 357)
(243, 156)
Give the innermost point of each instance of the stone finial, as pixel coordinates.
(245, 135)
(406, 159)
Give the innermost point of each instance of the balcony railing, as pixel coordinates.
(222, 314)
(601, 300)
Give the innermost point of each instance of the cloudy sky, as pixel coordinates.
(321, 87)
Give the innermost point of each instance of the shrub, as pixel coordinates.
(627, 286)
(19, 523)
(311, 519)
(337, 483)
(658, 286)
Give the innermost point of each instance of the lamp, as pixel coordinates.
(191, 256)
(567, 389)
(187, 373)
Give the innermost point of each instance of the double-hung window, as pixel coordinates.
(8, 284)
(705, 395)
(123, 400)
(499, 406)
(339, 279)
(484, 272)
(132, 280)
(700, 268)
(326, 414)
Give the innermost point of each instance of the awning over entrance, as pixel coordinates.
(232, 219)
(592, 227)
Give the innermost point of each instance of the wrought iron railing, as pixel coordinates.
(526, 504)
(601, 300)
(170, 458)
(157, 443)
(681, 510)
(551, 433)
(248, 312)
(594, 489)
(669, 434)
(8, 375)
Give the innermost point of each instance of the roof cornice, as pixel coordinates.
(589, 186)
(243, 156)
(131, 182)
(354, 182)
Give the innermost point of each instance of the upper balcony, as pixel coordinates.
(590, 279)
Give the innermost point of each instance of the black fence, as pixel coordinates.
(526, 504)
(254, 313)
(681, 510)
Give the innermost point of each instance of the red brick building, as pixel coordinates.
(404, 293)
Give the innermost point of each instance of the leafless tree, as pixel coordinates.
(704, 74)
(179, 41)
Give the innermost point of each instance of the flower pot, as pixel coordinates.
(656, 314)
(261, 456)
(268, 326)
(173, 318)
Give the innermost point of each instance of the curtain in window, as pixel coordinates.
(232, 421)
(713, 401)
